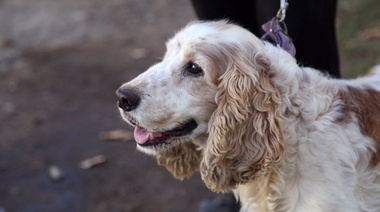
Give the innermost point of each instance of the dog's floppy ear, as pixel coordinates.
(181, 160)
(245, 132)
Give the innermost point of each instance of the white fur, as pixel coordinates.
(326, 163)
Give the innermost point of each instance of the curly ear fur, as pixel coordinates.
(182, 160)
(245, 133)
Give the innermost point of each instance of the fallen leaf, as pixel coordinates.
(116, 135)
(93, 161)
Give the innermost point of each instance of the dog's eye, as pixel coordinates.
(193, 69)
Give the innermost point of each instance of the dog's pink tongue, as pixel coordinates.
(142, 135)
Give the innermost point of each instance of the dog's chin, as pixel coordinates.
(162, 147)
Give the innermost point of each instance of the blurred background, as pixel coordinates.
(60, 64)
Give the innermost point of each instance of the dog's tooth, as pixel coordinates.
(151, 137)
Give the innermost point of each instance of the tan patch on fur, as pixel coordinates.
(365, 104)
(182, 160)
(164, 120)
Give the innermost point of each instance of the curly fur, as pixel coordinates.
(182, 161)
(281, 136)
(245, 134)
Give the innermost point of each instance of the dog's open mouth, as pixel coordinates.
(144, 137)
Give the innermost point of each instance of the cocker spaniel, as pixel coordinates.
(281, 136)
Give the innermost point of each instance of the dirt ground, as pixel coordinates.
(60, 64)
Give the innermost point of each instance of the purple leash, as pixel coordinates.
(276, 31)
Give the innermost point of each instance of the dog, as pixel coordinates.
(250, 119)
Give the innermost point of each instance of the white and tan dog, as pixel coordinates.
(282, 137)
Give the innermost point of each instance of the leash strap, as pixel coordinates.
(276, 31)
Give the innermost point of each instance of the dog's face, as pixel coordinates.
(214, 88)
(173, 100)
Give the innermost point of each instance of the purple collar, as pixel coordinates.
(276, 33)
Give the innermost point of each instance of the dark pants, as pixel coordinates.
(310, 23)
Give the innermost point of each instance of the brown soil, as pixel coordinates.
(60, 64)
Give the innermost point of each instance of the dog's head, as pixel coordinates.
(213, 89)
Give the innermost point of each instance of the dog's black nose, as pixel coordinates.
(128, 99)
